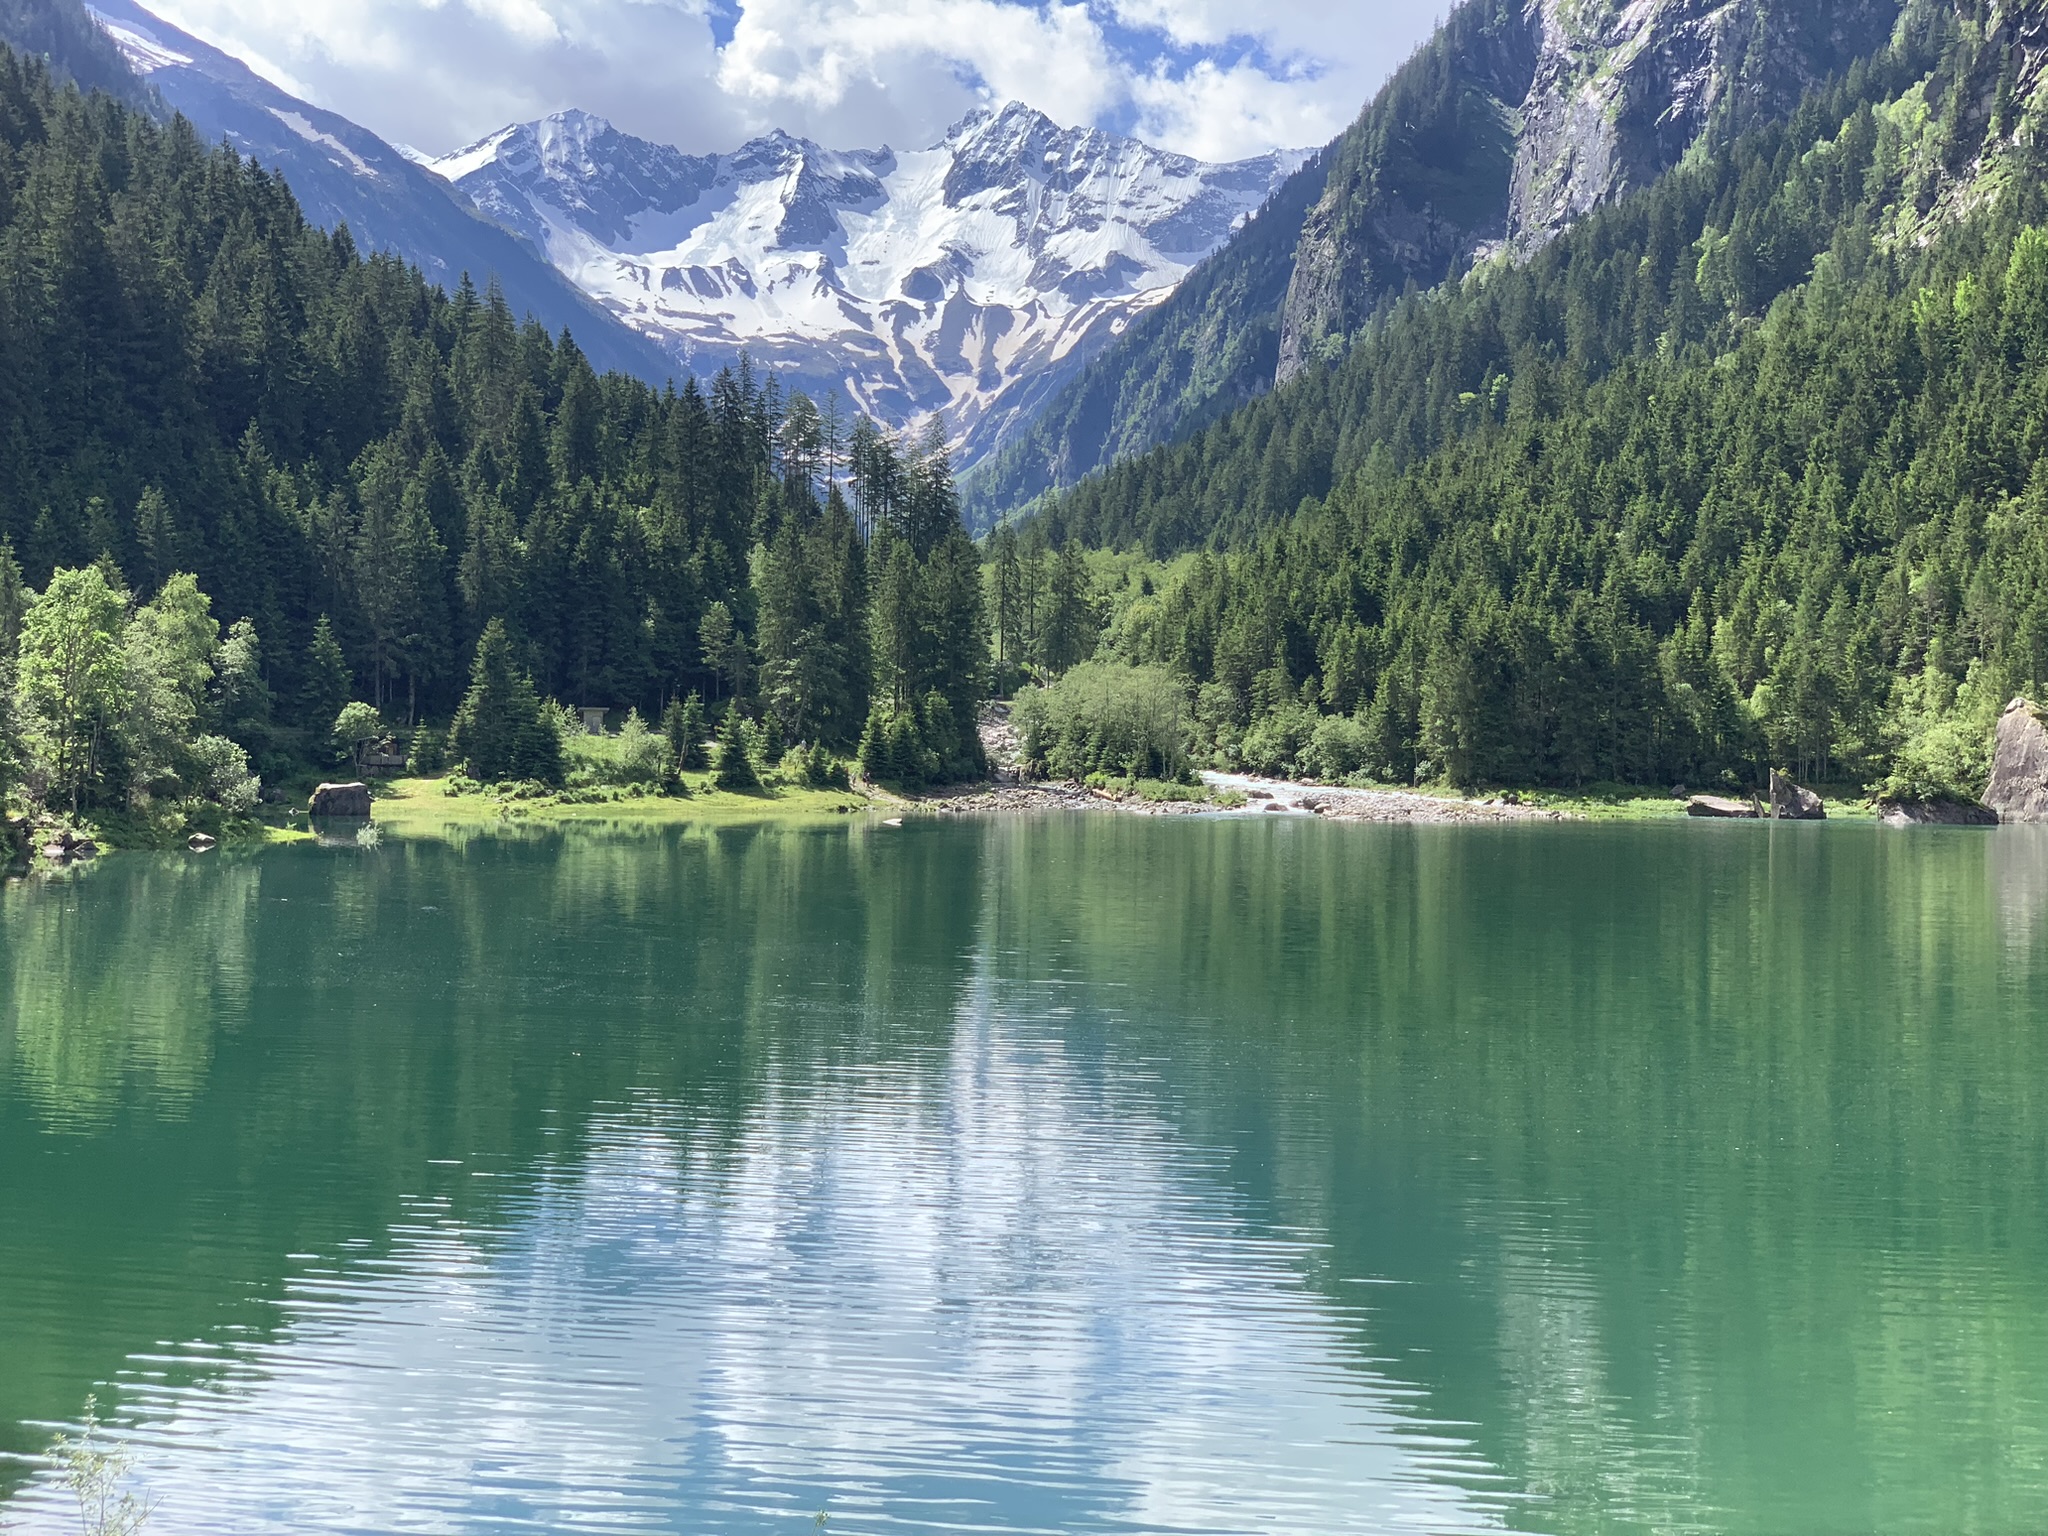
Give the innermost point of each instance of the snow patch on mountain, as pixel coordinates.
(965, 280)
(145, 54)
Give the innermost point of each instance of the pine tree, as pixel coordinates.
(501, 732)
(1068, 634)
(328, 679)
(735, 767)
(682, 728)
(14, 600)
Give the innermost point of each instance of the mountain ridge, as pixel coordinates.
(342, 173)
(963, 280)
(1513, 121)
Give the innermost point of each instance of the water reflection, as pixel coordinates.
(977, 1287)
(2019, 873)
(1057, 1175)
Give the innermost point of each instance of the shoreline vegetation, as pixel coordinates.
(619, 779)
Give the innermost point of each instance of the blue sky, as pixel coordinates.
(1214, 78)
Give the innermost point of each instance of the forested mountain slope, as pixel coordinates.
(1749, 466)
(197, 382)
(64, 36)
(341, 173)
(1516, 119)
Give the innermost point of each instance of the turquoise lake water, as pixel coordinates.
(1081, 1174)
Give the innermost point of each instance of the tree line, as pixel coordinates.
(201, 390)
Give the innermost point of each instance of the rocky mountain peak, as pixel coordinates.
(960, 280)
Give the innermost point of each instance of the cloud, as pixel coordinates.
(1215, 78)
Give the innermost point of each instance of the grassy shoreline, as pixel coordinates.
(422, 807)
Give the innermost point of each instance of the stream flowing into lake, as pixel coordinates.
(1074, 1173)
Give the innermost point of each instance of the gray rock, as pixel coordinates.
(2018, 790)
(1789, 802)
(1623, 88)
(201, 843)
(1936, 813)
(1718, 808)
(341, 801)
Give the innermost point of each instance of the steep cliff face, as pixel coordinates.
(1523, 116)
(1623, 88)
(1419, 182)
(1994, 100)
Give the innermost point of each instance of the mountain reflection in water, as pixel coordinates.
(1088, 1174)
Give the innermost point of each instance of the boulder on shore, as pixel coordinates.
(2018, 790)
(200, 842)
(1936, 813)
(65, 845)
(341, 801)
(1790, 802)
(1721, 809)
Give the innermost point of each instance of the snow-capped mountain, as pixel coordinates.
(343, 173)
(969, 279)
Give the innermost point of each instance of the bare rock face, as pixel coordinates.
(2019, 773)
(1717, 808)
(341, 801)
(1419, 182)
(1936, 813)
(1789, 802)
(1624, 87)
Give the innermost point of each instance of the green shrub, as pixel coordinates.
(817, 768)
(1106, 717)
(218, 770)
(1278, 743)
(1949, 760)
(911, 747)
(1337, 749)
(636, 753)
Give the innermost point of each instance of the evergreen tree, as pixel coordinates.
(501, 731)
(735, 767)
(682, 730)
(687, 735)
(328, 680)
(14, 601)
(1069, 630)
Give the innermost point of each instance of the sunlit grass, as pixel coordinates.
(419, 807)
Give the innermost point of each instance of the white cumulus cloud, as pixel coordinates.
(1214, 78)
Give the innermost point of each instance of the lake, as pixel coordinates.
(1071, 1174)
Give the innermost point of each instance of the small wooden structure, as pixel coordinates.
(593, 719)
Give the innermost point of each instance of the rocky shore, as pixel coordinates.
(1234, 795)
